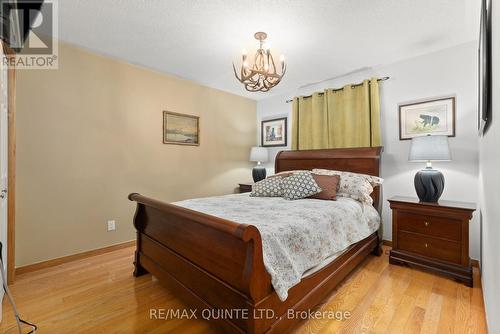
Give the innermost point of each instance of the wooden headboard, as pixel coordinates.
(364, 160)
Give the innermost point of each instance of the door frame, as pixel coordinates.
(11, 167)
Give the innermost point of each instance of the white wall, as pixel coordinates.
(489, 193)
(447, 72)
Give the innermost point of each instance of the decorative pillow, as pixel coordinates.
(328, 184)
(374, 180)
(300, 185)
(270, 187)
(353, 185)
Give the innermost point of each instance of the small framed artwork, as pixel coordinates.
(181, 129)
(274, 132)
(434, 117)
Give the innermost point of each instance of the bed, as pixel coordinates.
(216, 263)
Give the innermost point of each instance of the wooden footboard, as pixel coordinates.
(218, 260)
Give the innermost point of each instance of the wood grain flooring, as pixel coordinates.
(100, 295)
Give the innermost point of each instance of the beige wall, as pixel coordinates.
(90, 133)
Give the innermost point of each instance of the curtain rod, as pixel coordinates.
(337, 89)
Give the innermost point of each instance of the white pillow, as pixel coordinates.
(353, 185)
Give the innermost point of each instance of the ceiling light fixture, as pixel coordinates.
(263, 74)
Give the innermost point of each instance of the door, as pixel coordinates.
(4, 97)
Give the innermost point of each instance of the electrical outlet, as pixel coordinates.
(111, 225)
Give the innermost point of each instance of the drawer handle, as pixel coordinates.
(426, 223)
(426, 245)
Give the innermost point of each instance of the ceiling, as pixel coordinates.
(321, 39)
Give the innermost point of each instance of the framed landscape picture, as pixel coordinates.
(181, 129)
(434, 117)
(274, 132)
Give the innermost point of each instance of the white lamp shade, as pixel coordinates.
(259, 154)
(430, 148)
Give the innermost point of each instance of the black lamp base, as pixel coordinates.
(429, 184)
(258, 173)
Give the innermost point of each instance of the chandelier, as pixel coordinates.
(263, 74)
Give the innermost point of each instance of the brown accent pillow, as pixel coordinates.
(329, 184)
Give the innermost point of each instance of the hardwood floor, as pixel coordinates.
(100, 295)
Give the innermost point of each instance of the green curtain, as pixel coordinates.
(347, 117)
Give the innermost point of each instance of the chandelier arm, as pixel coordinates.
(268, 83)
(242, 70)
(248, 84)
(253, 84)
(274, 65)
(254, 88)
(245, 78)
(249, 77)
(251, 88)
(235, 74)
(274, 75)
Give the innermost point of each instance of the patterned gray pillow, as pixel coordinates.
(300, 185)
(270, 187)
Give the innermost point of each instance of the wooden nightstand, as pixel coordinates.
(245, 187)
(432, 236)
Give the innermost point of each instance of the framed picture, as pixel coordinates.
(484, 57)
(435, 117)
(274, 132)
(181, 129)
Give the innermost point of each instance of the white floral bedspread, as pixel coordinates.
(296, 235)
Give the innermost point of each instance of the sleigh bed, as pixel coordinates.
(218, 264)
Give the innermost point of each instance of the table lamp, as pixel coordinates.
(258, 154)
(429, 182)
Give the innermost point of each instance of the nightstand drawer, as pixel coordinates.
(430, 247)
(433, 226)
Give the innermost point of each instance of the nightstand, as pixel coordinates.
(432, 236)
(245, 187)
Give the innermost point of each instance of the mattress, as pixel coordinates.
(298, 237)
